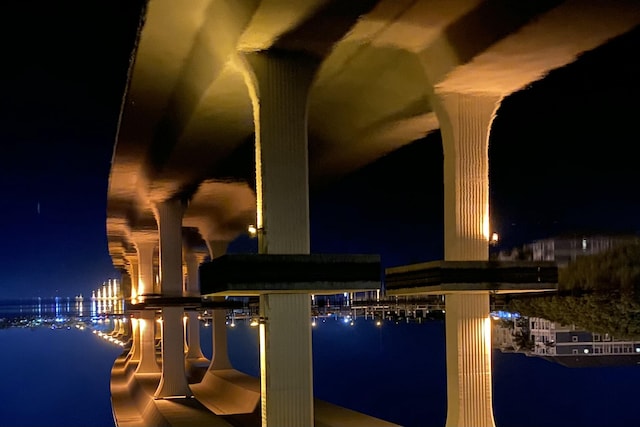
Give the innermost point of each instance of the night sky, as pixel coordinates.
(562, 155)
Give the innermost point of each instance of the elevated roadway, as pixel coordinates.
(234, 111)
(383, 67)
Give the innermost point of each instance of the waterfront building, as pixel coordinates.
(565, 249)
(568, 345)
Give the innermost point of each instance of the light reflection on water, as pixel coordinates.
(395, 372)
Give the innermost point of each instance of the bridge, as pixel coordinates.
(235, 111)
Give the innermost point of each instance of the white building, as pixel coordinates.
(567, 344)
(565, 249)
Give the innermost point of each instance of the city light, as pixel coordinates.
(494, 238)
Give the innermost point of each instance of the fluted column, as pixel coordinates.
(468, 336)
(465, 126)
(220, 351)
(173, 382)
(134, 352)
(146, 326)
(194, 350)
(129, 279)
(145, 250)
(134, 279)
(285, 360)
(280, 87)
(146, 318)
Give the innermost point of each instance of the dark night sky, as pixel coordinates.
(562, 156)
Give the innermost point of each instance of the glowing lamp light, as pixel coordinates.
(494, 238)
(254, 322)
(253, 231)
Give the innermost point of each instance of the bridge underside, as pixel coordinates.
(187, 127)
(235, 110)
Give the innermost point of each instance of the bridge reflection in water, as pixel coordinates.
(234, 111)
(224, 395)
(395, 371)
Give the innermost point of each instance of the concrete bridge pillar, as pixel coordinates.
(134, 277)
(128, 276)
(134, 352)
(220, 351)
(194, 350)
(146, 323)
(145, 249)
(279, 88)
(465, 122)
(173, 382)
(130, 290)
(146, 326)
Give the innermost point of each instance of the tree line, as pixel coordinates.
(600, 293)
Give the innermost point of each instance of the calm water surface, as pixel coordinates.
(60, 377)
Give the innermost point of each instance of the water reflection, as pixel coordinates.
(590, 329)
(57, 313)
(388, 363)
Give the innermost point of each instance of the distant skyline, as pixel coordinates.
(561, 156)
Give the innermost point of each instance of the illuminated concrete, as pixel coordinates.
(220, 352)
(147, 325)
(173, 382)
(468, 349)
(332, 85)
(465, 125)
(279, 88)
(146, 282)
(286, 368)
(135, 349)
(194, 355)
(134, 406)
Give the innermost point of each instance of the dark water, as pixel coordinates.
(54, 377)
(46, 308)
(60, 377)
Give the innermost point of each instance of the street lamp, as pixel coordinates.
(494, 239)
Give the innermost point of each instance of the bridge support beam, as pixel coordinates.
(173, 382)
(465, 126)
(279, 87)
